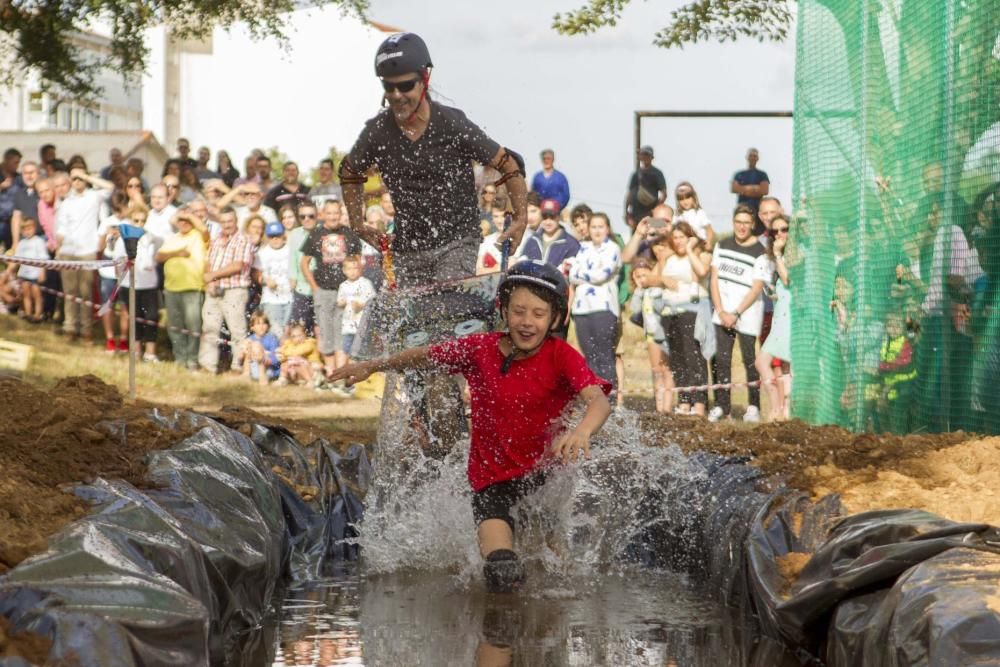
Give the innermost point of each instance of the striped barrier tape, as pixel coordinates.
(110, 301)
(66, 265)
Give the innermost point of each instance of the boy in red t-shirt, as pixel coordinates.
(520, 382)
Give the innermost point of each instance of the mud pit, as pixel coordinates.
(54, 439)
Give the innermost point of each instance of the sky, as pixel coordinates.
(527, 86)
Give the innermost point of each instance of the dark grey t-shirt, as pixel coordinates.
(431, 180)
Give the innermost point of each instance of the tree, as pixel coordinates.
(45, 36)
(701, 20)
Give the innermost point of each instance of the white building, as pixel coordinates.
(26, 108)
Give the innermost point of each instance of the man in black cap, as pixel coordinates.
(424, 152)
(647, 188)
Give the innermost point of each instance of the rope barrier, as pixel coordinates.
(66, 265)
(86, 302)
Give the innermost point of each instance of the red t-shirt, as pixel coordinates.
(512, 414)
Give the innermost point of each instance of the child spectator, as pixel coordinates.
(271, 271)
(352, 295)
(739, 271)
(594, 273)
(10, 289)
(31, 246)
(521, 381)
(299, 357)
(489, 257)
(647, 302)
(259, 351)
(689, 210)
(147, 302)
(107, 242)
(896, 371)
(552, 244)
(580, 222)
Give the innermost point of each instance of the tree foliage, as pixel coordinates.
(46, 35)
(697, 21)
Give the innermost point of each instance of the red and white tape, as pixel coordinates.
(85, 302)
(66, 265)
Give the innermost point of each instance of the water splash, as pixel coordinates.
(583, 519)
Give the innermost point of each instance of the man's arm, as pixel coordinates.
(512, 176)
(99, 182)
(758, 287)
(230, 269)
(307, 271)
(736, 188)
(352, 184)
(15, 228)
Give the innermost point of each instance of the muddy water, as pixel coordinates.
(418, 597)
(635, 617)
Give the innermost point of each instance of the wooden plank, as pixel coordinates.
(16, 356)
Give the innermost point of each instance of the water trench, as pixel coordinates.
(617, 567)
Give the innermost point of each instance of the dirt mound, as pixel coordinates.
(951, 474)
(79, 430)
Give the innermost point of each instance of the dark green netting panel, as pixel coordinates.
(895, 246)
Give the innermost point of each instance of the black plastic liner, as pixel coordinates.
(880, 589)
(184, 573)
(885, 588)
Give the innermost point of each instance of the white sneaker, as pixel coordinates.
(715, 414)
(752, 415)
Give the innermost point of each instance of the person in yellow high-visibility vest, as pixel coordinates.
(896, 372)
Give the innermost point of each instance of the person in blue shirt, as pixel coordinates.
(554, 246)
(750, 184)
(551, 183)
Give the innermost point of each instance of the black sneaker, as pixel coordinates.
(503, 571)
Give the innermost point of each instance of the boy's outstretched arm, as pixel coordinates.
(354, 373)
(569, 444)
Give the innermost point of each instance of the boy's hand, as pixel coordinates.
(351, 374)
(571, 443)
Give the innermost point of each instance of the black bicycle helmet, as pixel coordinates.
(402, 53)
(541, 275)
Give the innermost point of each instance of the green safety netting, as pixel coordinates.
(895, 248)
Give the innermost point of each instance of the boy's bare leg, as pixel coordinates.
(495, 534)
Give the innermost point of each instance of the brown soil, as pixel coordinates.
(951, 474)
(53, 440)
(789, 567)
(31, 647)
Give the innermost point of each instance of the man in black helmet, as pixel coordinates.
(424, 152)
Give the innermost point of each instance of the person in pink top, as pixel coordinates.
(523, 371)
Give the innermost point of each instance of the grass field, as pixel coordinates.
(167, 383)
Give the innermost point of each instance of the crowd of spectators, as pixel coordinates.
(267, 276)
(270, 274)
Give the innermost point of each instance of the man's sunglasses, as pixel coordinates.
(307, 216)
(401, 86)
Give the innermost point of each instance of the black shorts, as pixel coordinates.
(496, 500)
